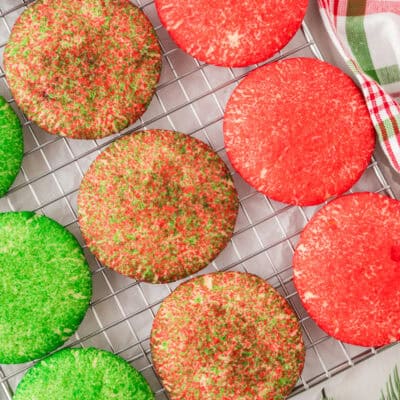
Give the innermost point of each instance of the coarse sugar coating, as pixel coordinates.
(11, 146)
(83, 69)
(157, 206)
(77, 374)
(232, 33)
(45, 286)
(347, 269)
(227, 336)
(299, 131)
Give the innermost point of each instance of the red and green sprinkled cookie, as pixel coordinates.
(232, 33)
(157, 206)
(83, 69)
(227, 336)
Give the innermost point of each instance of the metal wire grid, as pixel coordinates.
(190, 97)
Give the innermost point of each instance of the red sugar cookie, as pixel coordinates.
(347, 269)
(231, 33)
(298, 131)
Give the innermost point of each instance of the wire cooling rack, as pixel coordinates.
(191, 97)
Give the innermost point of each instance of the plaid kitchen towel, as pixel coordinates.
(367, 35)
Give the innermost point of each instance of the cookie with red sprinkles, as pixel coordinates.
(157, 206)
(227, 336)
(347, 269)
(83, 69)
(299, 131)
(236, 33)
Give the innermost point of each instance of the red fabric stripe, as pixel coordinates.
(379, 6)
(375, 92)
(395, 94)
(335, 11)
(386, 142)
(340, 7)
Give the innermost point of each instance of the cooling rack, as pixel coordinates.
(190, 97)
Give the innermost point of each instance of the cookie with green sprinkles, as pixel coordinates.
(83, 70)
(45, 286)
(157, 206)
(226, 336)
(76, 374)
(11, 146)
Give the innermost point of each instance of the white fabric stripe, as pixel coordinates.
(394, 144)
(383, 36)
(332, 34)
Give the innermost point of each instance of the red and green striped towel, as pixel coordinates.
(367, 35)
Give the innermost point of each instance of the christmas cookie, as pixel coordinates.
(45, 286)
(157, 206)
(227, 336)
(347, 269)
(11, 146)
(235, 33)
(83, 69)
(298, 131)
(76, 374)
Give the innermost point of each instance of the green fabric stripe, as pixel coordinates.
(357, 40)
(356, 7)
(389, 74)
(378, 129)
(352, 67)
(389, 125)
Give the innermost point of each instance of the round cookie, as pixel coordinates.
(11, 146)
(76, 374)
(298, 131)
(228, 335)
(45, 286)
(83, 69)
(347, 269)
(233, 33)
(157, 206)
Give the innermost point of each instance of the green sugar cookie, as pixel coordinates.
(83, 374)
(11, 146)
(45, 286)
